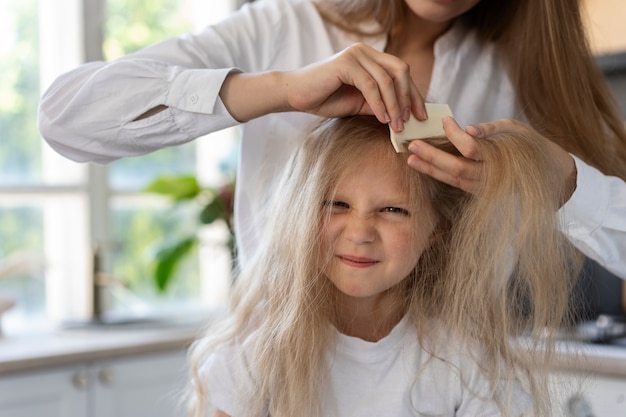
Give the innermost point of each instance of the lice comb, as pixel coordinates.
(416, 129)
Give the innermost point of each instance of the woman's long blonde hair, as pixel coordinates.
(282, 306)
(544, 46)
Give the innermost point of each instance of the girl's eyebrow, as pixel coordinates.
(396, 203)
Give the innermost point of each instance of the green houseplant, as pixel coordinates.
(216, 204)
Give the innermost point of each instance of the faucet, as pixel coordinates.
(98, 279)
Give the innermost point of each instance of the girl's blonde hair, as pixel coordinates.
(544, 45)
(282, 305)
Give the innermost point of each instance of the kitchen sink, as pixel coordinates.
(118, 324)
(121, 323)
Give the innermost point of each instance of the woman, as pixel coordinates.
(276, 64)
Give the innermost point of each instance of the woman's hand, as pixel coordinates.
(464, 171)
(357, 80)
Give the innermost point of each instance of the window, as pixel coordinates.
(53, 212)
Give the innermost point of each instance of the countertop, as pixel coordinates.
(591, 358)
(83, 344)
(79, 344)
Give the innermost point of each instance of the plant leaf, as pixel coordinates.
(178, 188)
(212, 211)
(168, 259)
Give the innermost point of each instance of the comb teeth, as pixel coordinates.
(416, 129)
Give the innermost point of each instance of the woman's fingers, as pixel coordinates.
(386, 84)
(464, 142)
(453, 170)
(360, 80)
(374, 83)
(463, 171)
(403, 91)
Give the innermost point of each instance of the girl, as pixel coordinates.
(378, 291)
(276, 64)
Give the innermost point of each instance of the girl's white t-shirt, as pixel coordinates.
(391, 377)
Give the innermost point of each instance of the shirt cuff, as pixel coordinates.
(587, 207)
(584, 214)
(196, 90)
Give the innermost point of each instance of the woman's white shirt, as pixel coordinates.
(594, 219)
(88, 114)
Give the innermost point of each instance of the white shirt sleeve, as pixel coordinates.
(594, 219)
(88, 114)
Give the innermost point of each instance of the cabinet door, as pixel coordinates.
(62, 392)
(149, 385)
(586, 395)
(607, 395)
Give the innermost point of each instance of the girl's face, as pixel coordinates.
(374, 235)
(440, 11)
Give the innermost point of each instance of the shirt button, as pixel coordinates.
(193, 99)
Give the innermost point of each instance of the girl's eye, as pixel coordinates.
(396, 210)
(336, 204)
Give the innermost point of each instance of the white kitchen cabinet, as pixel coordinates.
(50, 393)
(134, 386)
(596, 395)
(137, 387)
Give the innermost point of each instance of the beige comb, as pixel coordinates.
(416, 129)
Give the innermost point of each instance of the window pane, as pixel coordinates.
(134, 174)
(142, 228)
(131, 25)
(20, 147)
(21, 260)
(139, 225)
(31, 235)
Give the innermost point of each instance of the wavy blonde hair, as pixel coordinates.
(282, 305)
(545, 48)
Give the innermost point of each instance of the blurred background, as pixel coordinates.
(56, 216)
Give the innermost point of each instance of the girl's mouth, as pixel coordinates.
(357, 261)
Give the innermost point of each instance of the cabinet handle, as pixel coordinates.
(80, 380)
(106, 376)
(578, 406)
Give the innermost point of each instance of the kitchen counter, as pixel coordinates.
(65, 346)
(591, 358)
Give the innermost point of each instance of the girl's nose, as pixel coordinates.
(360, 229)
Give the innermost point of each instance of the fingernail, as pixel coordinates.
(413, 148)
(474, 131)
(414, 163)
(422, 113)
(406, 114)
(399, 125)
(386, 117)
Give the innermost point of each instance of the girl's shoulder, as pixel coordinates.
(443, 344)
(227, 376)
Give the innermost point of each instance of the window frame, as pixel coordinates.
(74, 30)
